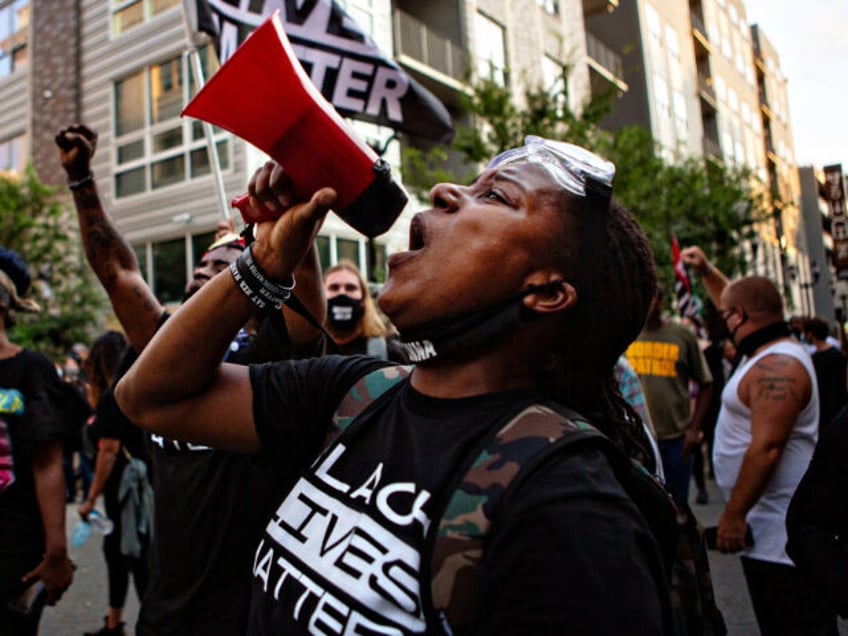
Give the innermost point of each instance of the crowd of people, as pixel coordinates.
(273, 462)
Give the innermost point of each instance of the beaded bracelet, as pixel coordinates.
(76, 185)
(254, 283)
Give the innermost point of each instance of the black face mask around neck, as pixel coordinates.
(468, 330)
(757, 339)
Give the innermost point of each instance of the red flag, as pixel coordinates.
(679, 268)
(688, 304)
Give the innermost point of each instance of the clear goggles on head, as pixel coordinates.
(574, 168)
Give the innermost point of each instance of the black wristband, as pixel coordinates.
(76, 185)
(254, 283)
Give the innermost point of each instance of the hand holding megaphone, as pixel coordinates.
(279, 246)
(263, 95)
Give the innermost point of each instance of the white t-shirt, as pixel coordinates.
(767, 517)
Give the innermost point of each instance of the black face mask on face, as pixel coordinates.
(469, 330)
(344, 312)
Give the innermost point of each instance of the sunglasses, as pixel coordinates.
(725, 314)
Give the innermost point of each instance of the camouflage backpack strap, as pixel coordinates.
(362, 394)
(457, 542)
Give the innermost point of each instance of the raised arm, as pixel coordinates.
(714, 280)
(112, 259)
(179, 387)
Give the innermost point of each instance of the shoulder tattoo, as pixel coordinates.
(776, 381)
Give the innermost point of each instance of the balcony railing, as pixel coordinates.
(414, 39)
(605, 56)
(705, 86)
(698, 25)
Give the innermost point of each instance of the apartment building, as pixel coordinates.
(120, 66)
(705, 83)
(822, 291)
(658, 63)
(781, 167)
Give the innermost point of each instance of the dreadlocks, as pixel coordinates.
(621, 275)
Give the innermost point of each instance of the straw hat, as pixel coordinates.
(15, 281)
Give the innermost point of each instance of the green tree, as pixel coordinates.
(35, 224)
(700, 200)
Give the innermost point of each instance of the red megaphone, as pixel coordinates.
(263, 95)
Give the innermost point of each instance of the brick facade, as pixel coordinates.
(54, 80)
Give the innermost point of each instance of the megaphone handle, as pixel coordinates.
(251, 213)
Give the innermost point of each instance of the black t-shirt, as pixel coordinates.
(830, 366)
(360, 347)
(341, 553)
(31, 413)
(817, 518)
(210, 507)
(111, 423)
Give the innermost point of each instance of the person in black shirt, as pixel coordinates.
(209, 503)
(830, 365)
(525, 286)
(33, 548)
(115, 442)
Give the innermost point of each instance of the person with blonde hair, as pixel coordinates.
(353, 321)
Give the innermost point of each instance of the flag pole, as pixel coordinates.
(209, 133)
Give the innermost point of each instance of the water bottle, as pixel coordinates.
(101, 523)
(82, 531)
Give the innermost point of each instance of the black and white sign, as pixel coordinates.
(340, 58)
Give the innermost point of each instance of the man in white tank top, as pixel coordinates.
(764, 439)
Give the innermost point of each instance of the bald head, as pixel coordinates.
(758, 296)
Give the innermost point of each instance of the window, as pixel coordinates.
(332, 249)
(14, 20)
(347, 249)
(661, 93)
(154, 147)
(733, 100)
(652, 18)
(127, 14)
(720, 89)
(551, 6)
(170, 266)
(13, 154)
(672, 42)
(491, 50)
(681, 116)
(554, 80)
(169, 270)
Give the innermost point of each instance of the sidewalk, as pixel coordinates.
(728, 580)
(84, 605)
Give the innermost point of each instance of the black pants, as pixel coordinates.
(784, 604)
(119, 568)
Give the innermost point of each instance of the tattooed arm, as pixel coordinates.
(108, 253)
(776, 390)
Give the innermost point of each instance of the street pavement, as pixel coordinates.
(84, 605)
